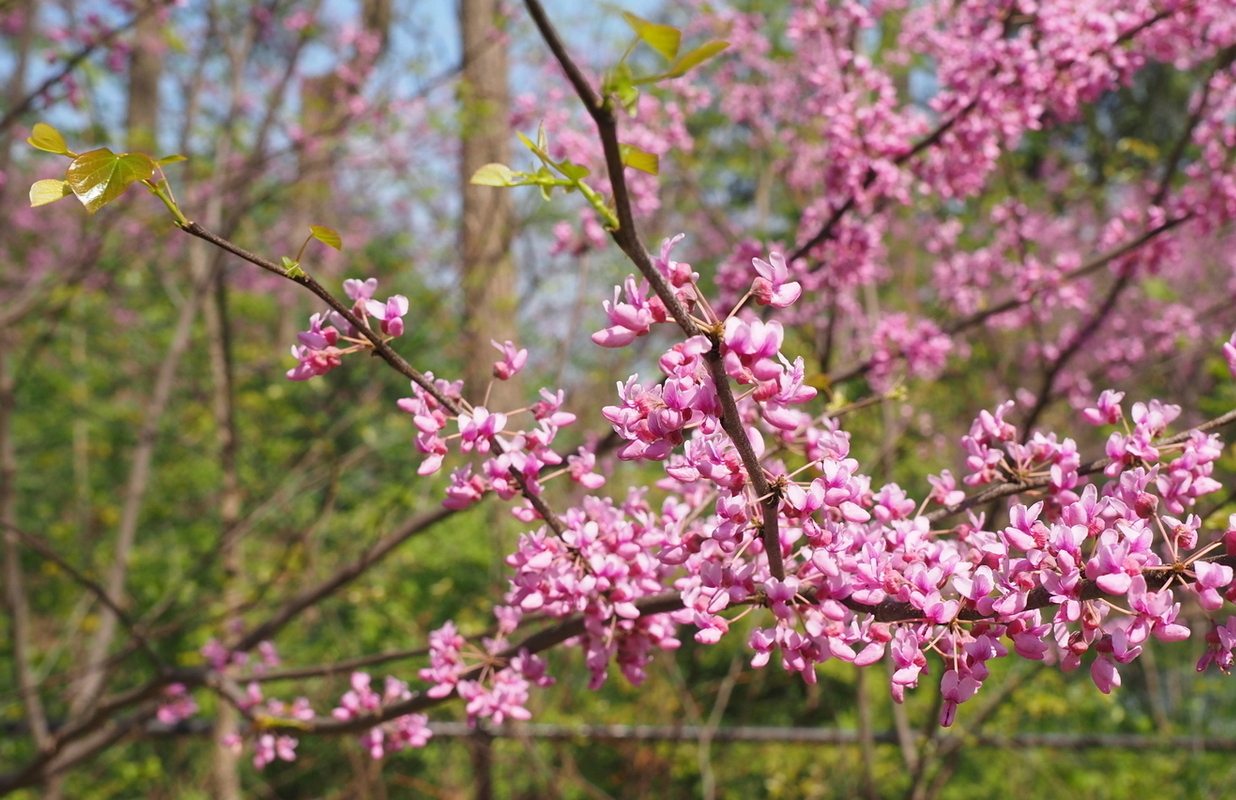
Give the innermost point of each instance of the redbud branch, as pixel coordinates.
(826, 230)
(536, 643)
(979, 317)
(626, 236)
(72, 62)
(380, 345)
(887, 612)
(352, 664)
(94, 588)
(310, 596)
(75, 730)
(933, 138)
(1017, 487)
(1091, 327)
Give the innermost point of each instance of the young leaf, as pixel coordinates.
(536, 149)
(100, 176)
(493, 175)
(48, 139)
(48, 191)
(621, 83)
(292, 267)
(628, 96)
(693, 59)
(641, 160)
(163, 162)
(662, 38)
(574, 171)
(326, 236)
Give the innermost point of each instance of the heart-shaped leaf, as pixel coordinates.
(662, 38)
(48, 191)
(100, 176)
(326, 236)
(48, 139)
(494, 174)
(641, 160)
(574, 171)
(694, 58)
(292, 267)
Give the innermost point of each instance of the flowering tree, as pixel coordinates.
(925, 210)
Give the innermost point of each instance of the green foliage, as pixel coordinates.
(100, 176)
(48, 139)
(326, 236)
(546, 176)
(662, 38)
(636, 158)
(48, 190)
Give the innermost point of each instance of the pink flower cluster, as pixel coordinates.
(599, 567)
(409, 730)
(517, 457)
(501, 692)
(862, 571)
(319, 351)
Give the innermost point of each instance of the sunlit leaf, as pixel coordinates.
(100, 176)
(694, 58)
(293, 267)
(326, 236)
(494, 174)
(662, 38)
(641, 160)
(628, 96)
(172, 159)
(48, 191)
(574, 171)
(621, 83)
(47, 138)
(537, 150)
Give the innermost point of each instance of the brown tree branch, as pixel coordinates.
(377, 551)
(626, 236)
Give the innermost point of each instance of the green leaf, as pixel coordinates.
(48, 191)
(641, 160)
(628, 95)
(539, 151)
(574, 171)
(326, 236)
(662, 38)
(293, 268)
(173, 159)
(100, 176)
(48, 139)
(693, 59)
(494, 174)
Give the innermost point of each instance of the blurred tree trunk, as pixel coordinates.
(486, 269)
(145, 67)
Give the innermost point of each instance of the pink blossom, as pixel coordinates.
(773, 287)
(512, 360)
(389, 314)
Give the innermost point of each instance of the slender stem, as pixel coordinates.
(380, 345)
(1016, 487)
(626, 236)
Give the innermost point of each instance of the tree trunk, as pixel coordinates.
(486, 269)
(145, 67)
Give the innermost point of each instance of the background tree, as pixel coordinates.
(979, 201)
